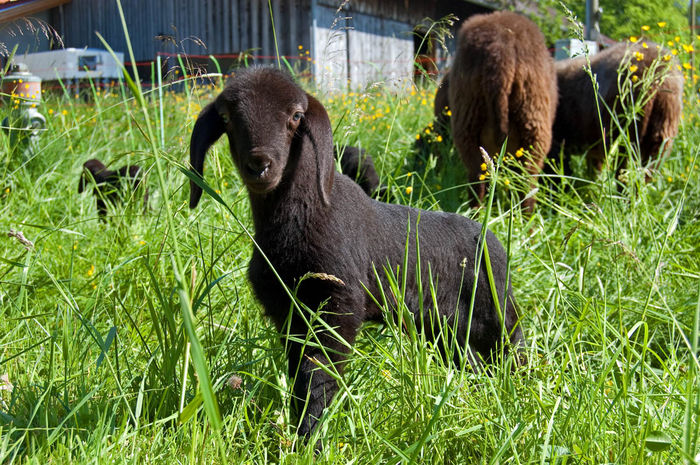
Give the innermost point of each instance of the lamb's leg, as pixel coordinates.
(316, 364)
(314, 388)
(101, 207)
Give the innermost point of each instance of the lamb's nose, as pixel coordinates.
(257, 165)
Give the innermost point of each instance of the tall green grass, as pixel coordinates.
(100, 322)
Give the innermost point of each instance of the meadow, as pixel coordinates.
(137, 339)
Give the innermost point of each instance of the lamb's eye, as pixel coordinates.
(225, 118)
(297, 116)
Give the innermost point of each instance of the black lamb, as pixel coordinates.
(358, 165)
(313, 223)
(110, 186)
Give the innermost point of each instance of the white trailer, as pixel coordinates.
(75, 67)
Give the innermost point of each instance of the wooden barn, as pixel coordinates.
(357, 41)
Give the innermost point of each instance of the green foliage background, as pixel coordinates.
(622, 19)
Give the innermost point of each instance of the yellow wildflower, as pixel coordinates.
(482, 177)
(91, 270)
(483, 167)
(634, 68)
(506, 182)
(661, 24)
(634, 39)
(688, 48)
(519, 153)
(439, 138)
(50, 111)
(639, 56)
(417, 136)
(677, 38)
(409, 189)
(687, 66)
(674, 52)
(449, 113)
(644, 45)
(635, 78)
(645, 28)
(64, 112)
(300, 47)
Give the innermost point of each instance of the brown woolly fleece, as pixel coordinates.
(577, 125)
(502, 83)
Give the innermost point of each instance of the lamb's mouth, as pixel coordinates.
(260, 183)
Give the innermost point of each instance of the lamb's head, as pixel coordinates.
(268, 119)
(93, 169)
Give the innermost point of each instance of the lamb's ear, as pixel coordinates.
(207, 130)
(320, 137)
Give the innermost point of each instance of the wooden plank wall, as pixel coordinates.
(372, 41)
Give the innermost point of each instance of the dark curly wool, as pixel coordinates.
(358, 165)
(310, 219)
(502, 83)
(577, 125)
(110, 186)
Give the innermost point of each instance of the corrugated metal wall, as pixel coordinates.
(200, 27)
(368, 40)
(27, 34)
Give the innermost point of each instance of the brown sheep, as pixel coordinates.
(577, 125)
(502, 83)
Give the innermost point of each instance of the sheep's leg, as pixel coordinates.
(531, 117)
(473, 163)
(101, 208)
(470, 121)
(534, 163)
(653, 149)
(316, 365)
(314, 385)
(145, 200)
